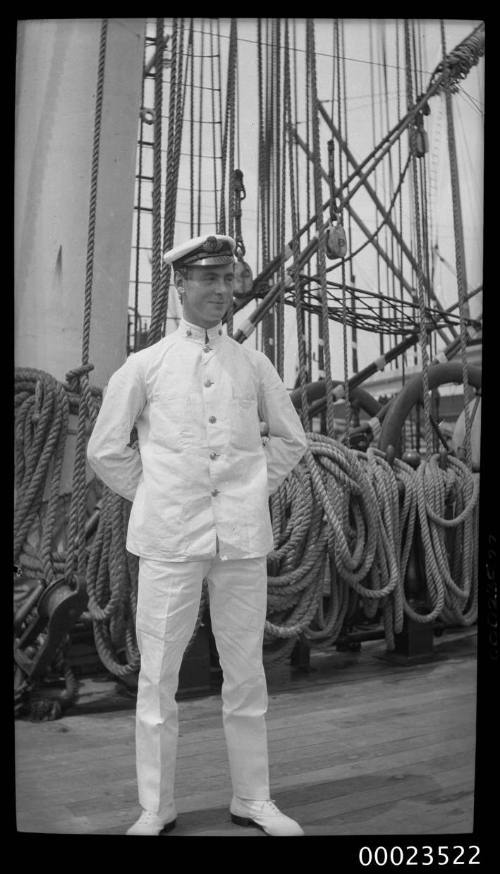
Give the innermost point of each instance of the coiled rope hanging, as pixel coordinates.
(41, 427)
(344, 523)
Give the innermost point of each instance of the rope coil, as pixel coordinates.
(343, 521)
(352, 517)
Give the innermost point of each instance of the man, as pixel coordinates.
(200, 482)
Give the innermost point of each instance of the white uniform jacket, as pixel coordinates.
(200, 472)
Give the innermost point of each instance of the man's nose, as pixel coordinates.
(221, 287)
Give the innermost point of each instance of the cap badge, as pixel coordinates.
(212, 244)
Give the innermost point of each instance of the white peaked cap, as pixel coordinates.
(207, 251)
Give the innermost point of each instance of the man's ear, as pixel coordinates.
(179, 284)
(179, 281)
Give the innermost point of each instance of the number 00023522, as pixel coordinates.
(394, 856)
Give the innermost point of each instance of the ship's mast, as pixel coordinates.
(57, 75)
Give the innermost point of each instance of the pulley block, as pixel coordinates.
(243, 280)
(336, 241)
(419, 142)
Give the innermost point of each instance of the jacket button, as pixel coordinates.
(212, 419)
(215, 492)
(188, 333)
(208, 383)
(213, 456)
(206, 348)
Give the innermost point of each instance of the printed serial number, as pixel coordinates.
(455, 855)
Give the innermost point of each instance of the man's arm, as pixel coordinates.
(287, 441)
(109, 452)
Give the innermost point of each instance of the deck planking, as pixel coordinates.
(359, 746)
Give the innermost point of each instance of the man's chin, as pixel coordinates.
(210, 323)
(218, 314)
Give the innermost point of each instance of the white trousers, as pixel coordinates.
(167, 607)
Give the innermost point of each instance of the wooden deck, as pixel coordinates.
(362, 745)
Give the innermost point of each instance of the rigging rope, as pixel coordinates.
(459, 248)
(347, 402)
(142, 116)
(176, 115)
(200, 129)
(280, 203)
(375, 175)
(229, 137)
(214, 123)
(190, 55)
(78, 378)
(269, 322)
(400, 211)
(307, 227)
(265, 100)
(388, 140)
(458, 63)
(303, 375)
(320, 229)
(156, 188)
(419, 267)
(350, 246)
(390, 277)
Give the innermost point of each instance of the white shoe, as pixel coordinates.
(153, 824)
(266, 816)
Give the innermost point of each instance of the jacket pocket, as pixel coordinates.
(245, 423)
(168, 419)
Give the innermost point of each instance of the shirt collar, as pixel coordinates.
(196, 332)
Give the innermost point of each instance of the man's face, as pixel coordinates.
(207, 293)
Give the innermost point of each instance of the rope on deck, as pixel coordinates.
(344, 523)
